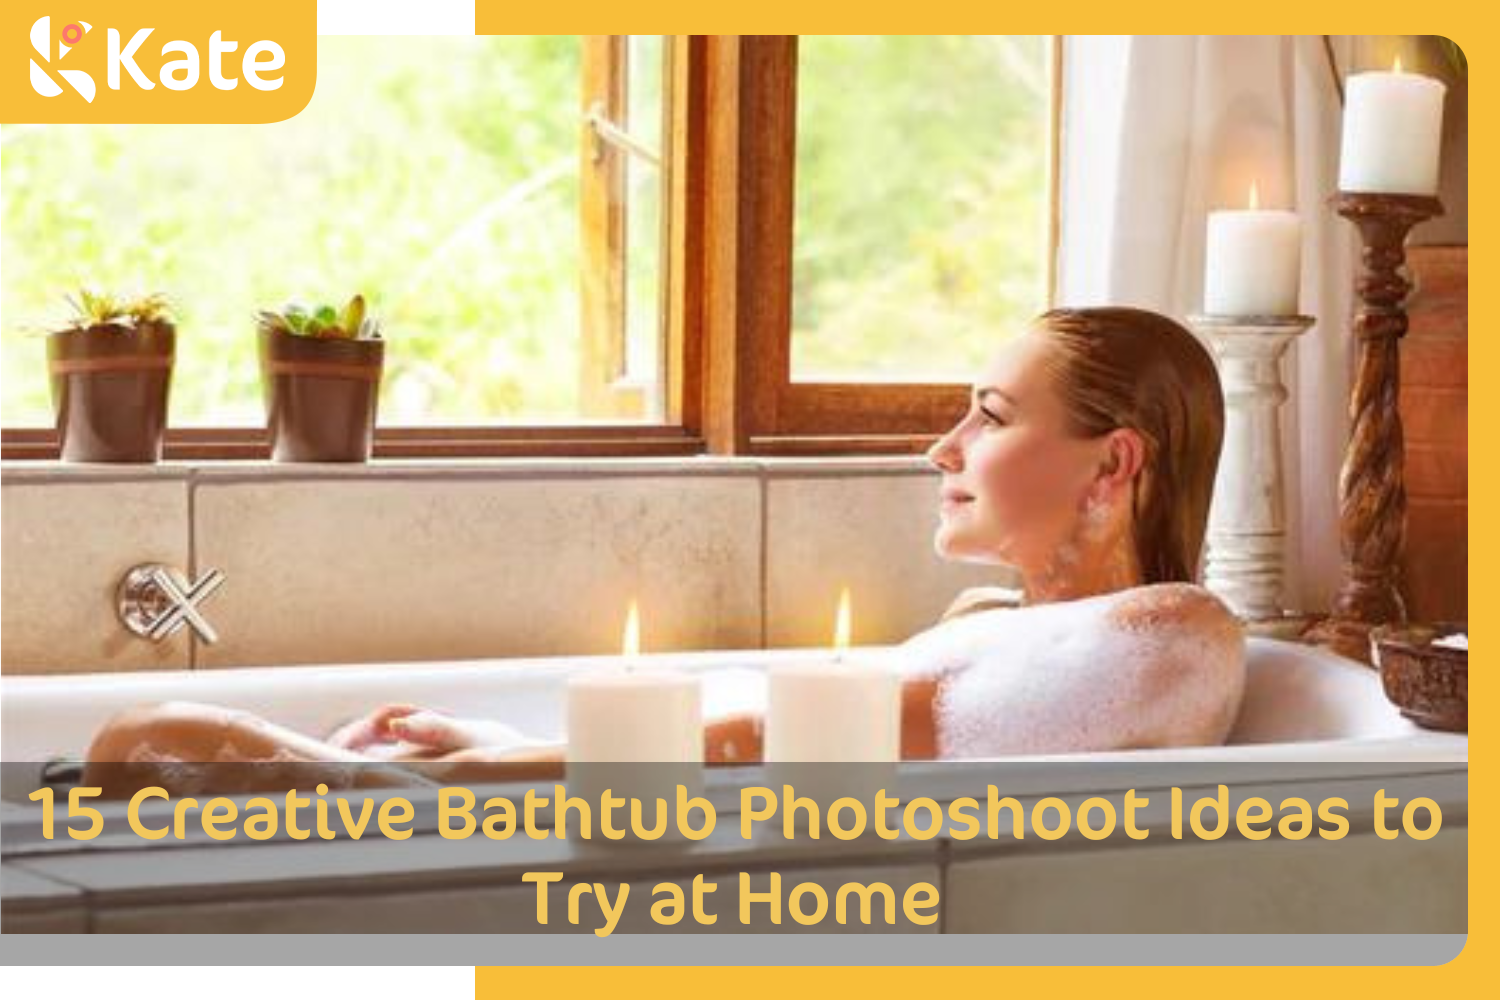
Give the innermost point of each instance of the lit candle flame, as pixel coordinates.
(1254, 196)
(841, 622)
(1396, 67)
(631, 644)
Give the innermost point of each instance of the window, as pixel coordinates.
(577, 244)
(920, 231)
(841, 127)
(444, 177)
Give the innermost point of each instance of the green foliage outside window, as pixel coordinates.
(440, 176)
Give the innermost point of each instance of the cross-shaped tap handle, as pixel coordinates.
(155, 601)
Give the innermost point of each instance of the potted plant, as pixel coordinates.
(110, 371)
(321, 374)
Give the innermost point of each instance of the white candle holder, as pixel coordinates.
(1245, 565)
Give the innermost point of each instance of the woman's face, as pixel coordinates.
(1014, 479)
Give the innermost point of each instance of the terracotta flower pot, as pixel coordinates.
(321, 396)
(109, 390)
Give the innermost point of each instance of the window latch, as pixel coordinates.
(608, 133)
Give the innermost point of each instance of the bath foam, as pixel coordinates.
(190, 778)
(1141, 668)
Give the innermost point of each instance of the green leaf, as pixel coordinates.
(354, 316)
(294, 319)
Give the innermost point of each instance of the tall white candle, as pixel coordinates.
(634, 715)
(841, 711)
(833, 731)
(820, 715)
(1393, 130)
(1253, 262)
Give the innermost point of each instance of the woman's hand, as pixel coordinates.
(408, 732)
(370, 730)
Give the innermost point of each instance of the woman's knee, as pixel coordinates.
(138, 747)
(150, 726)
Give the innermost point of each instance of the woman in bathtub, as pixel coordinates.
(1085, 462)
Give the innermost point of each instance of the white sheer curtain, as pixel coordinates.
(1158, 130)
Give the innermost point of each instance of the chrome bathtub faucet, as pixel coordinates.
(154, 601)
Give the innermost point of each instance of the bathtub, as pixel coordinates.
(1301, 706)
(1310, 721)
(1300, 703)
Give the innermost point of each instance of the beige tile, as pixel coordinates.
(453, 566)
(453, 911)
(871, 532)
(72, 919)
(31, 904)
(67, 542)
(1358, 885)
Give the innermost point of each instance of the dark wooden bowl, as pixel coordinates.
(1428, 683)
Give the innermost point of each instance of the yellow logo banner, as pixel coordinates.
(157, 61)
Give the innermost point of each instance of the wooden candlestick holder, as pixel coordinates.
(1372, 490)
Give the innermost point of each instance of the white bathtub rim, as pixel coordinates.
(86, 700)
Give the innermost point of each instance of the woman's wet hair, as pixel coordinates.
(1117, 367)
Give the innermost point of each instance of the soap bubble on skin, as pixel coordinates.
(1119, 671)
(233, 770)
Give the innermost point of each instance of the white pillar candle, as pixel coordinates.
(833, 731)
(819, 715)
(1393, 129)
(637, 734)
(633, 716)
(1253, 262)
(841, 711)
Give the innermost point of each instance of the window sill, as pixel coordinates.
(20, 472)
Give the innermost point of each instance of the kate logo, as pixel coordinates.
(41, 40)
(158, 61)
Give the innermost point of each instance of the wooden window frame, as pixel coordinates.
(754, 405)
(728, 171)
(607, 390)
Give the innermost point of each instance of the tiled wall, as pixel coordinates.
(67, 541)
(466, 560)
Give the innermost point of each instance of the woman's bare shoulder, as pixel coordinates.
(1170, 607)
(1191, 679)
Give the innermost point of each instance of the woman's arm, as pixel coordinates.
(183, 745)
(189, 748)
